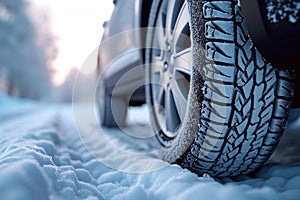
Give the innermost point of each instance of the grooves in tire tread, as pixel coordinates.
(245, 100)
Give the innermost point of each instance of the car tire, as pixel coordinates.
(237, 104)
(112, 109)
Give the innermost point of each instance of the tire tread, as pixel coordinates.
(259, 97)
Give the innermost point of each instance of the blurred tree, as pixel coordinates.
(65, 90)
(25, 50)
(83, 83)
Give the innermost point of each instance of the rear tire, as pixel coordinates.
(237, 104)
(112, 110)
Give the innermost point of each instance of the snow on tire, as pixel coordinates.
(239, 100)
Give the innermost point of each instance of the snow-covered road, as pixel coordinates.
(44, 157)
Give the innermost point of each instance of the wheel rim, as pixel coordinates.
(170, 67)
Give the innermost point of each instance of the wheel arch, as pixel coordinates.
(145, 14)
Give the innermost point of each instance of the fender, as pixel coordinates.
(276, 38)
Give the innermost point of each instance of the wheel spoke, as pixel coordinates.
(181, 36)
(172, 116)
(169, 19)
(173, 10)
(180, 89)
(159, 33)
(160, 95)
(183, 61)
(157, 64)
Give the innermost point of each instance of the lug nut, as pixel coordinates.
(169, 48)
(166, 66)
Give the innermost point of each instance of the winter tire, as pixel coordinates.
(229, 118)
(112, 109)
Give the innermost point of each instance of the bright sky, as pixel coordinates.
(78, 25)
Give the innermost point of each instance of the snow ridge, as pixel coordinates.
(42, 157)
(42, 165)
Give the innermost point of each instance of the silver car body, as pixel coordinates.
(121, 48)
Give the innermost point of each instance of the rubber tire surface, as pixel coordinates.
(112, 110)
(238, 103)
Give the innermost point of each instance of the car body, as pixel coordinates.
(125, 25)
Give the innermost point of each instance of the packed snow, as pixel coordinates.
(46, 154)
(279, 10)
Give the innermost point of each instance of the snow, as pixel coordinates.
(279, 10)
(44, 155)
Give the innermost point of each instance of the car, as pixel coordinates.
(219, 95)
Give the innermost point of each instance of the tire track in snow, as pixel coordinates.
(42, 157)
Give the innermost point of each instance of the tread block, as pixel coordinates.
(217, 76)
(232, 139)
(218, 9)
(260, 62)
(214, 145)
(195, 150)
(221, 30)
(241, 128)
(223, 94)
(250, 69)
(266, 114)
(257, 94)
(255, 115)
(247, 108)
(238, 103)
(276, 125)
(217, 131)
(272, 139)
(259, 77)
(201, 165)
(247, 88)
(219, 73)
(212, 133)
(242, 61)
(251, 129)
(242, 79)
(236, 119)
(220, 52)
(259, 142)
(217, 113)
(225, 91)
(262, 131)
(269, 96)
(238, 17)
(286, 74)
(282, 109)
(264, 152)
(284, 89)
(247, 49)
(229, 163)
(241, 37)
(270, 70)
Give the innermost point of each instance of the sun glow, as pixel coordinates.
(78, 27)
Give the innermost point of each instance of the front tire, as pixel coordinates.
(237, 104)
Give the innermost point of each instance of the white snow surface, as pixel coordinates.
(43, 157)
